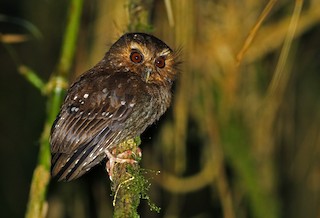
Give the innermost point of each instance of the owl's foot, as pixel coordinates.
(124, 157)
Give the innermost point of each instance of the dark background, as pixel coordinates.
(234, 146)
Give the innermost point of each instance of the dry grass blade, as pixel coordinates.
(254, 31)
(169, 12)
(13, 38)
(278, 75)
(189, 184)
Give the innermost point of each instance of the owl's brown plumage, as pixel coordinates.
(116, 100)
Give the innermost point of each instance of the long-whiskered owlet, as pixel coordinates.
(116, 100)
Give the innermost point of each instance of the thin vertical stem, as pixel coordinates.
(37, 205)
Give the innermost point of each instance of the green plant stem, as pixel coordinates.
(70, 38)
(139, 11)
(37, 206)
(31, 77)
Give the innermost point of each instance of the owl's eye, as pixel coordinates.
(160, 62)
(136, 57)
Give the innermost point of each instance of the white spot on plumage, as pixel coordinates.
(86, 95)
(76, 161)
(131, 104)
(75, 97)
(104, 90)
(103, 113)
(123, 102)
(74, 109)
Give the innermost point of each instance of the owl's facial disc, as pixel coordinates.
(146, 56)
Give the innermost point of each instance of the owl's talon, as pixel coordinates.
(123, 157)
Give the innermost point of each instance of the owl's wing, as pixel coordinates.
(88, 123)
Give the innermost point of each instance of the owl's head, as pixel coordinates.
(145, 55)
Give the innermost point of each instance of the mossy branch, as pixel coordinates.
(125, 185)
(54, 89)
(129, 184)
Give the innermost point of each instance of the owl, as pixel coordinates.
(116, 100)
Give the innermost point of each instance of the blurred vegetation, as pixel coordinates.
(242, 138)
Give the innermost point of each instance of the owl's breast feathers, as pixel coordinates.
(99, 112)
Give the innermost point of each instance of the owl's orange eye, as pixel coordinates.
(160, 62)
(136, 57)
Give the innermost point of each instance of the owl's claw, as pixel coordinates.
(124, 157)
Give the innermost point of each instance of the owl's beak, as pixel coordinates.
(146, 74)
